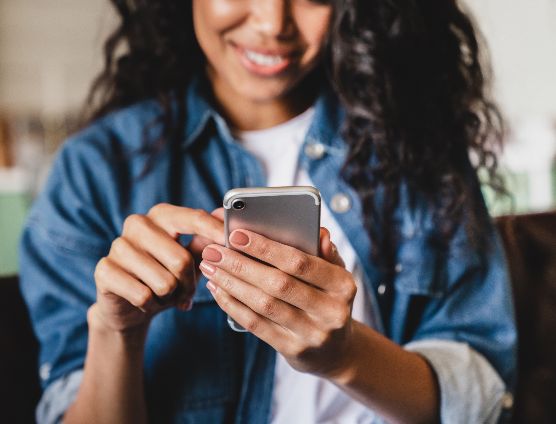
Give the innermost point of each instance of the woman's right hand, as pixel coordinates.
(147, 270)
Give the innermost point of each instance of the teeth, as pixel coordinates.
(263, 59)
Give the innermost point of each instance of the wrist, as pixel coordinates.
(132, 337)
(345, 371)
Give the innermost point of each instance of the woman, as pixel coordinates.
(406, 318)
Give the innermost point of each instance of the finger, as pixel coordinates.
(257, 300)
(199, 242)
(150, 272)
(176, 220)
(311, 269)
(263, 328)
(271, 280)
(142, 232)
(328, 250)
(218, 214)
(111, 279)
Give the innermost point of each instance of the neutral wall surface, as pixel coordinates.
(51, 49)
(49, 52)
(522, 39)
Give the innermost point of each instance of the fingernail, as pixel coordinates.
(212, 288)
(186, 305)
(212, 255)
(207, 268)
(239, 238)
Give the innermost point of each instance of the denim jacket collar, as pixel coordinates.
(324, 128)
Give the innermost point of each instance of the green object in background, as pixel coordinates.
(13, 209)
(517, 185)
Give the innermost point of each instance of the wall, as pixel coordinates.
(49, 53)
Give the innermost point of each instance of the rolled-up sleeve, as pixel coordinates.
(453, 305)
(68, 230)
(58, 397)
(471, 391)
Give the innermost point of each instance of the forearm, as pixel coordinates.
(399, 385)
(112, 389)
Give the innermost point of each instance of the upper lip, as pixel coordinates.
(284, 52)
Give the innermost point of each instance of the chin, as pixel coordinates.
(262, 93)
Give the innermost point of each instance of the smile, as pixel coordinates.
(263, 59)
(265, 64)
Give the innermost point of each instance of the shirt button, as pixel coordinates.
(340, 203)
(507, 401)
(381, 289)
(44, 371)
(315, 150)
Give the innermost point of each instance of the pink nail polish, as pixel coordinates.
(212, 255)
(239, 238)
(206, 268)
(212, 288)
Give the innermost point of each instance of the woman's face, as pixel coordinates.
(259, 50)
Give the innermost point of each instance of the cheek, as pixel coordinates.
(212, 19)
(314, 29)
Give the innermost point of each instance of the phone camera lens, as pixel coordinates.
(238, 205)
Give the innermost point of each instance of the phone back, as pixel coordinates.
(289, 215)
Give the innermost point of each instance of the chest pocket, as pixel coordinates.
(428, 270)
(420, 268)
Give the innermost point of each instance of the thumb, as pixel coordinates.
(328, 250)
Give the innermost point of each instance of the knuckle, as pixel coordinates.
(167, 286)
(252, 325)
(319, 339)
(263, 250)
(180, 263)
(119, 247)
(237, 266)
(283, 286)
(349, 290)
(133, 222)
(158, 209)
(101, 269)
(300, 265)
(198, 216)
(268, 306)
(340, 319)
(142, 297)
(227, 283)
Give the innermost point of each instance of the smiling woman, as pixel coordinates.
(405, 315)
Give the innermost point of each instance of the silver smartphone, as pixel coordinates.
(288, 215)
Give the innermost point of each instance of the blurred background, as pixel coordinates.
(50, 50)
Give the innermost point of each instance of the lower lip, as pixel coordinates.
(262, 70)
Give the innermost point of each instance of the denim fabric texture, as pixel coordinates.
(196, 368)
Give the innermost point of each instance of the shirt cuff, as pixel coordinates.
(471, 391)
(58, 397)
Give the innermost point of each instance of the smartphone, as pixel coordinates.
(288, 215)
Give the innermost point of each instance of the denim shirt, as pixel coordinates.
(452, 306)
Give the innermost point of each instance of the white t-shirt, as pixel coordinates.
(299, 397)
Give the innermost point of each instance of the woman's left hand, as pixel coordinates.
(299, 304)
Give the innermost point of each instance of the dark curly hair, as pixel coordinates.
(408, 73)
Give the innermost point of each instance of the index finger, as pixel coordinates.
(311, 269)
(177, 220)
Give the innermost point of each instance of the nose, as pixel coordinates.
(272, 18)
